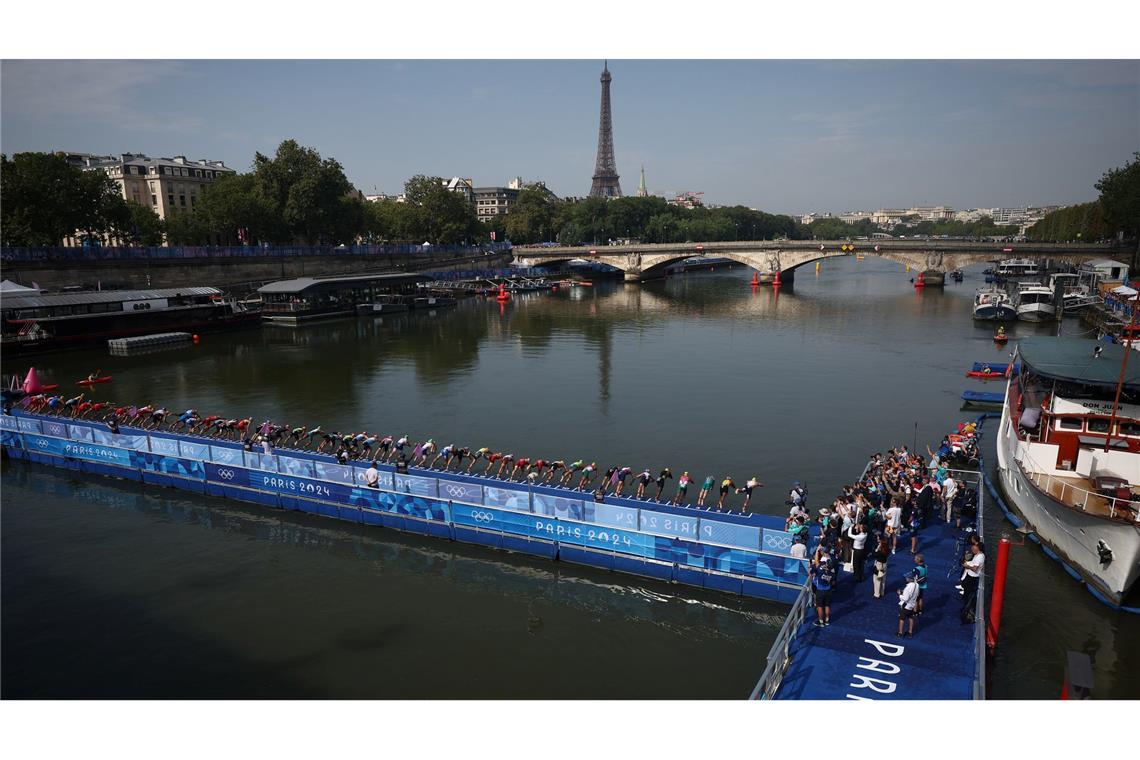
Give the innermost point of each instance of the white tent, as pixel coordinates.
(9, 288)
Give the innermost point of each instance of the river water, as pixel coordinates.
(113, 589)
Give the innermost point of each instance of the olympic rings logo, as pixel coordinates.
(482, 517)
(226, 474)
(457, 491)
(779, 543)
(42, 443)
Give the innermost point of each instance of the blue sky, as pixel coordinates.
(783, 136)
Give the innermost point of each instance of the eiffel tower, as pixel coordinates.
(605, 171)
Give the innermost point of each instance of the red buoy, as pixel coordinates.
(755, 279)
(195, 338)
(503, 294)
(776, 280)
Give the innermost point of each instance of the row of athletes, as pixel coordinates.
(370, 447)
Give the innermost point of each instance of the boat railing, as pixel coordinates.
(1118, 508)
(779, 655)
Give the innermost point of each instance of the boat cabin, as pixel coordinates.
(306, 298)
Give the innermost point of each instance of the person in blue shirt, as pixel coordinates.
(822, 581)
(920, 575)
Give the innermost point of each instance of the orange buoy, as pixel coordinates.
(776, 280)
(755, 279)
(920, 283)
(503, 294)
(195, 339)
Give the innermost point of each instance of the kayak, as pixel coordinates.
(985, 374)
(106, 379)
(1001, 338)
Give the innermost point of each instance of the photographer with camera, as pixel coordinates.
(908, 601)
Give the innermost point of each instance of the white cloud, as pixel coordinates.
(104, 91)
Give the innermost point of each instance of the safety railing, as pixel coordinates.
(779, 655)
(112, 253)
(1078, 497)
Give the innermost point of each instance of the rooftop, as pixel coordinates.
(302, 284)
(35, 301)
(1072, 360)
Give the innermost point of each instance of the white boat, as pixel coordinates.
(1034, 302)
(1069, 456)
(1012, 268)
(993, 303)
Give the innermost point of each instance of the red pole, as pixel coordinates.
(776, 279)
(998, 594)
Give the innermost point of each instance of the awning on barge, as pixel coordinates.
(1073, 360)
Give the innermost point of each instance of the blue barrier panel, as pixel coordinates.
(8, 422)
(10, 438)
(559, 506)
(507, 498)
(186, 468)
(79, 432)
(516, 523)
(664, 523)
(458, 491)
(29, 426)
(200, 451)
(777, 542)
(226, 455)
(226, 475)
(719, 532)
(595, 536)
(395, 503)
(416, 485)
(614, 515)
(90, 451)
(338, 473)
(54, 427)
(255, 461)
(160, 444)
(293, 466)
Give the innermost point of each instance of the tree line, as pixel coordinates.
(1117, 210)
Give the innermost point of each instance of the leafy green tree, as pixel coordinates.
(307, 193)
(188, 229)
(440, 216)
(1120, 198)
(232, 202)
(44, 199)
(531, 219)
(144, 226)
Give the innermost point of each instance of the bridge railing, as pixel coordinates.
(116, 253)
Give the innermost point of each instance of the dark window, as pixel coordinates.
(170, 199)
(182, 201)
(1128, 428)
(1098, 426)
(1070, 423)
(154, 200)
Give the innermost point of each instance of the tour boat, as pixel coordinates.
(993, 303)
(1035, 303)
(1013, 268)
(1068, 453)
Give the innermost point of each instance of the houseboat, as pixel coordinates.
(1075, 293)
(291, 302)
(1068, 454)
(993, 304)
(39, 322)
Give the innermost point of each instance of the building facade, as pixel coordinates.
(494, 201)
(167, 186)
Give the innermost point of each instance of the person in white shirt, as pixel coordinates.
(973, 567)
(858, 550)
(894, 523)
(799, 549)
(372, 477)
(908, 600)
(949, 488)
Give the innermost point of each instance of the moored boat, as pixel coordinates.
(1069, 456)
(1035, 303)
(993, 304)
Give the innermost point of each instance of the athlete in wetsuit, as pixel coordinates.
(445, 454)
(621, 475)
(705, 488)
(506, 459)
(587, 474)
(753, 482)
(644, 478)
(683, 483)
(521, 464)
(479, 454)
(72, 403)
(661, 478)
(459, 455)
(492, 457)
(725, 485)
(555, 466)
(570, 471)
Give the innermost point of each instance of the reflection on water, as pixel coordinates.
(698, 372)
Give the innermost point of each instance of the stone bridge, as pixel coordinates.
(772, 259)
